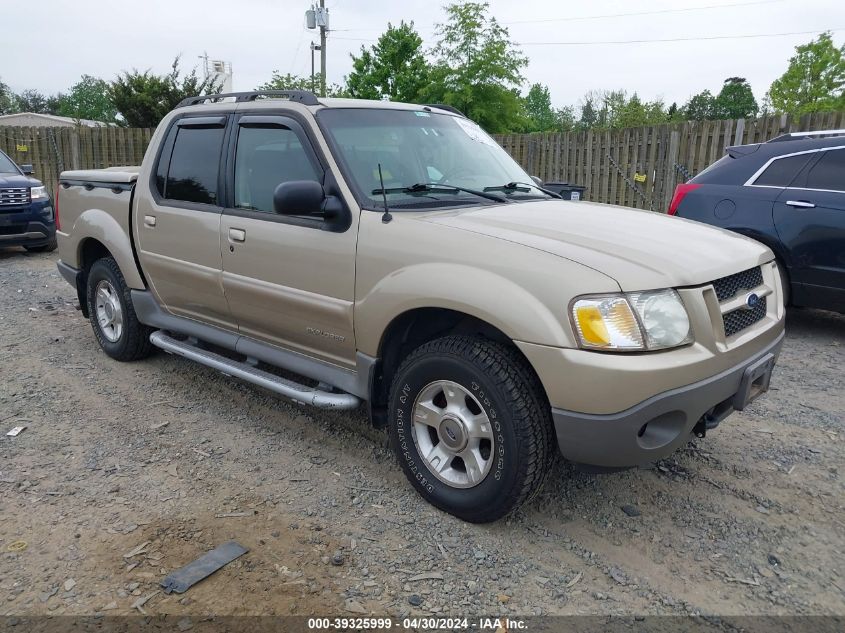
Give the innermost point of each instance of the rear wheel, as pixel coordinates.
(112, 314)
(471, 427)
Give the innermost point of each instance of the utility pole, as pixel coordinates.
(319, 17)
(314, 47)
(323, 24)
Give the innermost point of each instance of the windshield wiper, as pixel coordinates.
(433, 187)
(523, 187)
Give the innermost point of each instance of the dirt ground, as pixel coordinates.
(123, 471)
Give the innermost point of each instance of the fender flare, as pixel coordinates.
(473, 291)
(101, 226)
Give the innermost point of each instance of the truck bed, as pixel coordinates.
(125, 175)
(95, 203)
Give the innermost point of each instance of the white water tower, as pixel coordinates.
(218, 71)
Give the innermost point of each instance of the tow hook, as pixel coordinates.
(712, 418)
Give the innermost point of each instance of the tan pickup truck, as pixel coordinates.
(394, 254)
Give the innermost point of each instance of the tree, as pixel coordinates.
(478, 69)
(34, 101)
(700, 107)
(589, 114)
(394, 67)
(635, 112)
(814, 81)
(8, 100)
(89, 98)
(566, 120)
(295, 82)
(615, 109)
(143, 99)
(674, 113)
(538, 109)
(735, 100)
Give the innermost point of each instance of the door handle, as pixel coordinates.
(800, 204)
(237, 235)
(150, 220)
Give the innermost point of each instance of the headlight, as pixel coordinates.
(633, 321)
(38, 193)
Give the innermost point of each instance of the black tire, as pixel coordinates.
(513, 399)
(49, 247)
(134, 340)
(784, 283)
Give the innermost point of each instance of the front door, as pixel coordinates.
(178, 223)
(289, 281)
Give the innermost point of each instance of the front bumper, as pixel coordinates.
(656, 427)
(33, 234)
(30, 226)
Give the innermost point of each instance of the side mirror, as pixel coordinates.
(299, 197)
(538, 181)
(27, 170)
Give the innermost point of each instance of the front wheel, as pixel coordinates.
(471, 427)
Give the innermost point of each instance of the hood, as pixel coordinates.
(641, 250)
(16, 181)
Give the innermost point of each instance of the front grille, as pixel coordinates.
(13, 229)
(738, 320)
(17, 197)
(728, 287)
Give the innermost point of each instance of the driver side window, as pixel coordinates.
(266, 157)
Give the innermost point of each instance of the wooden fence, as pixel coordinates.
(635, 167)
(51, 150)
(639, 167)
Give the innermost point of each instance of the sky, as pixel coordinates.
(57, 41)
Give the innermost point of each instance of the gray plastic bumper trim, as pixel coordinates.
(623, 439)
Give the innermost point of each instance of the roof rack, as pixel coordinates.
(302, 96)
(791, 136)
(443, 106)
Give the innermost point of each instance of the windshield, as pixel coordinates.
(416, 147)
(7, 166)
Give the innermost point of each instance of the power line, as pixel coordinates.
(657, 41)
(677, 39)
(635, 13)
(582, 18)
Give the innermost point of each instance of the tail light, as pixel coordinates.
(56, 208)
(680, 193)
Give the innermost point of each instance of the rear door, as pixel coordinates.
(289, 280)
(178, 224)
(810, 219)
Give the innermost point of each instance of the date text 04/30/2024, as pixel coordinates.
(419, 624)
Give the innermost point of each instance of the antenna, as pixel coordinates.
(386, 217)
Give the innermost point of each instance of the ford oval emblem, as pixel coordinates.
(752, 299)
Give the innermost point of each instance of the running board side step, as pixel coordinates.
(244, 371)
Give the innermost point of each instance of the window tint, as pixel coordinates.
(6, 165)
(828, 172)
(194, 164)
(164, 160)
(783, 170)
(265, 158)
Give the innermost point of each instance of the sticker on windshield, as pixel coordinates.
(475, 132)
(418, 113)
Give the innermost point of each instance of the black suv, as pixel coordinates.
(788, 193)
(26, 212)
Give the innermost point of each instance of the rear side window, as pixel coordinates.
(782, 171)
(828, 172)
(194, 165)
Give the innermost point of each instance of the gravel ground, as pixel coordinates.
(124, 470)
